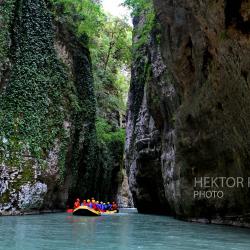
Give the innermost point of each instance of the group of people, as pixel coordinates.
(96, 205)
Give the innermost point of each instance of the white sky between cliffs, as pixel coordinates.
(115, 8)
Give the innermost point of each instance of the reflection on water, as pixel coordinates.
(120, 232)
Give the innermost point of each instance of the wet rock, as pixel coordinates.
(124, 196)
(31, 196)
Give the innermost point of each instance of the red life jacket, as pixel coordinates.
(114, 207)
(76, 204)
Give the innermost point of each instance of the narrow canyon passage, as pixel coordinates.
(129, 103)
(124, 124)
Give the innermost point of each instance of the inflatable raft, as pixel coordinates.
(87, 211)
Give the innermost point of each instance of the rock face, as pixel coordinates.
(49, 150)
(192, 110)
(124, 197)
(150, 130)
(47, 110)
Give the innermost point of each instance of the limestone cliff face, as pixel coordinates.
(150, 131)
(199, 126)
(47, 110)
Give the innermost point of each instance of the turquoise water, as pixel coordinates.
(122, 231)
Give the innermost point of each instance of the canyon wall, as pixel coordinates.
(188, 113)
(47, 110)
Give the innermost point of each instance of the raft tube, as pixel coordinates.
(85, 211)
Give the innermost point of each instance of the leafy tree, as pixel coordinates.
(145, 8)
(111, 66)
(85, 15)
(109, 39)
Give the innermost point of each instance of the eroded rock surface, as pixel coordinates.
(199, 126)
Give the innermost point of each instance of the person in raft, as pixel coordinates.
(114, 206)
(94, 205)
(84, 203)
(89, 203)
(109, 206)
(101, 207)
(77, 203)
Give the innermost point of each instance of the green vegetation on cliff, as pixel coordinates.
(142, 8)
(52, 114)
(144, 25)
(37, 87)
(6, 10)
(109, 40)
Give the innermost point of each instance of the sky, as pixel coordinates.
(115, 8)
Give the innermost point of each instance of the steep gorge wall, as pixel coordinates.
(152, 101)
(47, 110)
(192, 116)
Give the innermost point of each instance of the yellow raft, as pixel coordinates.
(87, 211)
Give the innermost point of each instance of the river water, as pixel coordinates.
(118, 232)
